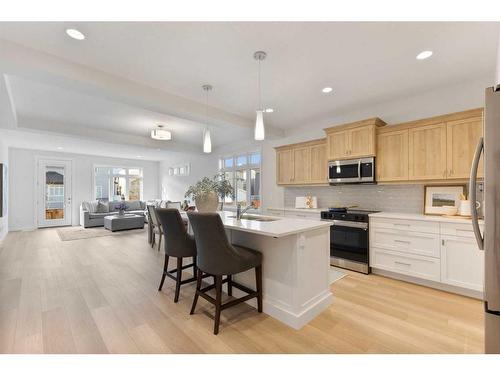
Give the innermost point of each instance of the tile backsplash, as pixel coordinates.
(390, 198)
(393, 198)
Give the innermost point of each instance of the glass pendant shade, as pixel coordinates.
(207, 142)
(259, 133)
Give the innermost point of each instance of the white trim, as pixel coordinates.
(37, 159)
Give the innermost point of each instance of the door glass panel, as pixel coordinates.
(134, 193)
(119, 188)
(54, 193)
(255, 187)
(241, 187)
(102, 187)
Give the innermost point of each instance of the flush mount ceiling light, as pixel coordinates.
(207, 141)
(161, 134)
(269, 110)
(259, 132)
(424, 55)
(75, 34)
(326, 90)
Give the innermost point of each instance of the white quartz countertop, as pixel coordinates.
(281, 227)
(311, 210)
(442, 219)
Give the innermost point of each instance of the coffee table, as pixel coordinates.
(128, 221)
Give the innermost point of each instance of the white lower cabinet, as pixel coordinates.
(408, 264)
(462, 263)
(441, 252)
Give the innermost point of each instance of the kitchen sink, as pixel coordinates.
(255, 218)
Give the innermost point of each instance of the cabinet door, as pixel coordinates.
(427, 152)
(361, 141)
(462, 137)
(462, 263)
(301, 165)
(284, 164)
(392, 156)
(319, 164)
(338, 145)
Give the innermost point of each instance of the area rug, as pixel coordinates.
(80, 233)
(335, 275)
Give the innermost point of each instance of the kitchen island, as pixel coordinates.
(295, 267)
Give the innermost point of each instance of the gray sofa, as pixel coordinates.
(92, 213)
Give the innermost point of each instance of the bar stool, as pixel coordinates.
(154, 226)
(217, 257)
(178, 244)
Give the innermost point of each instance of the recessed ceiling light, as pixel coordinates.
(327, 90)
(424, 55)
(75, 34)
(269, 110)
(139, 156)
(60, 148)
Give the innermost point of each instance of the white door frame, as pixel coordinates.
(42, 161)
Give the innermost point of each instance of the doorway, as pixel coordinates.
(54, 193)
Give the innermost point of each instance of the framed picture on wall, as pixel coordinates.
(440, 200)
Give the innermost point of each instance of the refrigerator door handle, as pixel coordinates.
(472, 194)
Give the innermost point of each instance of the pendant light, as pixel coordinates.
(207, 142)
(259, 132)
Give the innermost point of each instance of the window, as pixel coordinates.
(243, 172)
(111, 183)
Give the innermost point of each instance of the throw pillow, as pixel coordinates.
(102, 207)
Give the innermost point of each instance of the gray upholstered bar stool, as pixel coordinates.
(178, 244)
(217, 257)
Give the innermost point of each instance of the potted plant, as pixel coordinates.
(207, 191)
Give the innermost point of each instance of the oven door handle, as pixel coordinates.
(359, 169)
(351, 224)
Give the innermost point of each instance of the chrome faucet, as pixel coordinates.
(240, 212)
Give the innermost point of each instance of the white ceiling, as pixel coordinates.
(125, 78)
(39, 103)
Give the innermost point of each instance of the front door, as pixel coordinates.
(54, 193)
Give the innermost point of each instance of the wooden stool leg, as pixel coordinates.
(258, 281)
(195, 267)
(198, 287)
(218, 302)
(165, 270)
(178, 279)
(229, 285)
(159, 241)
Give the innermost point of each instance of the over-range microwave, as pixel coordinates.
(351, 171)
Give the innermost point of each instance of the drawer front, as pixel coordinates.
(460, 230)
(303, 215)
(426, 244)
(412, 265)
(407, 225)
(275, 212)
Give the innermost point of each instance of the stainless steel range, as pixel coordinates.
(349, 241)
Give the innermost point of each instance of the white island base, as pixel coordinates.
(295, 271)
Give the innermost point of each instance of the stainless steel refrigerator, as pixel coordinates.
(489, 241)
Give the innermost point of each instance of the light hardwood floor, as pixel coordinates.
(100, 296)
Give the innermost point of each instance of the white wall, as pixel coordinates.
(4, 221)
(174, 187)
(22, 175)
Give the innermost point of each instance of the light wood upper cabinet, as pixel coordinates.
(462, 137)
(362, 141)
(392, 156)
(338, 145)
(302, 163)
(352, 140)
(284, 166)
(319, 165)
(427, 152)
